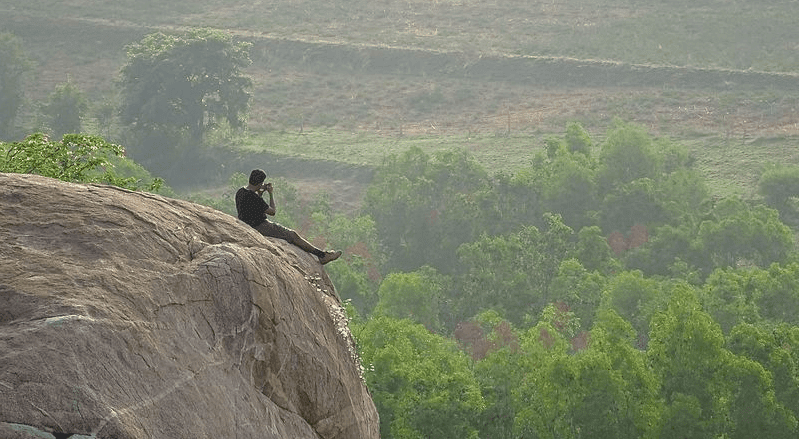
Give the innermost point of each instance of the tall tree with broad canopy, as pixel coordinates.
(186, 82)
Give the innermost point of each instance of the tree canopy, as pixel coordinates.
(185, 82)
(79, 158)
(598, 292)
(65, 109)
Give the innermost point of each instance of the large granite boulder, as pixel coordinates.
(130, 315)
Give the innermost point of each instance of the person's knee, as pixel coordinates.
(292, 235)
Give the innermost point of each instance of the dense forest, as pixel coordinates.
(600, 292)
(589, 282)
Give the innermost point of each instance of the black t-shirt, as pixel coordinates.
(250, 207)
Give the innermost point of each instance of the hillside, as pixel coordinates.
(362, 79)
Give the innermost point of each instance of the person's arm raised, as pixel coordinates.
(271, 210)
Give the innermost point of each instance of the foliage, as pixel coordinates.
(13, 66)
(738, 233)
(512, 273)
(425, 207)
(710, 391)
(577, 139)
(568, 186)
(615, 381)
(778, 185)
(667, 250)
(515, 201)
(421, 383)
(357, 273)
(416, 296)
(686, 349)
(76, 158)
(578, 289)
(65, 109)
(498, 375)
(632, 203)
(753, 295)
(626, 155)
(731, 296)
(493, 343)
(774, 348)
(604, 390)
(186, 82)
(593, 250)
(486, 333)
(635, 298)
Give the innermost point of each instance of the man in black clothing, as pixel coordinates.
(252, 209)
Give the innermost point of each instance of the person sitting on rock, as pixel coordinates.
(252, 209)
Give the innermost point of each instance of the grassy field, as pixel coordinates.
(354, 81)
(736, 34)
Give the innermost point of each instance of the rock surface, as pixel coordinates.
(130, 315)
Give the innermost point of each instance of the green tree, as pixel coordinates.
(779, 300)
(686, 350)
(185, 82)
(421, 383)
(544, 394)
(731, 296)
(616, 338)
(568, 187)
(493, 343)
(514, 201)
(593, 251)
(65, 109)
(778, 185)
(626, 155)
(416, 296)
(357, 276)
(603, 391)
(753, 295)
(579, 288)
(631, 203)
(76, 158)
(737, 233)
(425, 207)
(635, 297)
(512, 273)
(670, 250)
(775, 349)
(498, 374)
(754, 410)
(683, 194)
(577, 139)
(13, 66)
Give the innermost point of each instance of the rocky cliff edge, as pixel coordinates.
(130, 315)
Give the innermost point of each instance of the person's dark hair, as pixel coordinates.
(257, 177)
